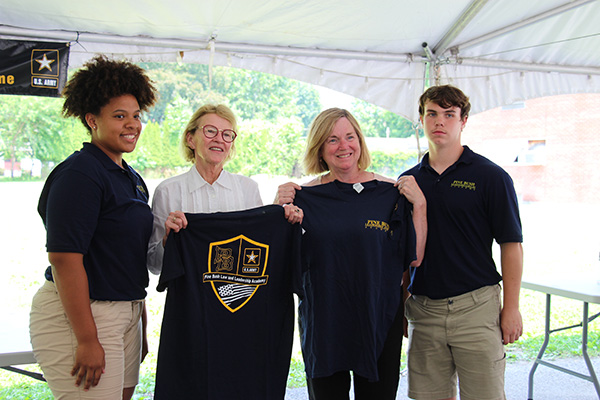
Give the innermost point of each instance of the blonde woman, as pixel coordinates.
(360, 236)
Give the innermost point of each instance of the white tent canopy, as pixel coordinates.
(497, 51)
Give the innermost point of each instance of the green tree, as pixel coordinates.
(252, 95)
(274, 114)
(12, 127)
(158, 146)
(177, 115)
(58, 139)
(257, 95)
(152, 152)
(34, 127)
(262, 102)
(264, 147)
(392, 164)
(375, 121)
(189, 82)
(308, 102)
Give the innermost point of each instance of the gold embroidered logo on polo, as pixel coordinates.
(236, 269)
(463, 185)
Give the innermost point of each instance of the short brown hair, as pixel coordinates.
(445, 96)
(320, 130)
(222, 111)
(99, 81)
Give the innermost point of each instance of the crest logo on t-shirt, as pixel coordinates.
(236, 269)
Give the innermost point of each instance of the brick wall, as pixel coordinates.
(569, 125)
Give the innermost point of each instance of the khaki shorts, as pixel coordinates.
(54, 344)
(458, 336)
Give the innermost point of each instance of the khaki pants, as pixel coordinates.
(456, 336)
(54, 345)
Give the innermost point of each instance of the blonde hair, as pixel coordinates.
(222, 111)
(320, 130)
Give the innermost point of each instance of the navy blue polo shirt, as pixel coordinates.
(92, 206)
(355, 248)
(469, 205)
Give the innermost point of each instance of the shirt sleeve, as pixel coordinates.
(173, 264)
(155, 246)
(256, 200)
(505, 220)
(402, 223)
(73, 208)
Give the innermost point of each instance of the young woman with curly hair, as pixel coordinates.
(86, 321)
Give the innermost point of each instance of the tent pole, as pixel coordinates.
(426, 75)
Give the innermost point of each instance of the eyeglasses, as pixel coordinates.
(210, 131)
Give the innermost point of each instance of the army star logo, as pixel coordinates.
(251, 257)
(236, 269)
(45, 63)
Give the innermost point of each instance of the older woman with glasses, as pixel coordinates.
(208, 142)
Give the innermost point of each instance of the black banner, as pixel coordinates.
(33, 68)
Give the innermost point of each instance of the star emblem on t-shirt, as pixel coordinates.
(252, 257)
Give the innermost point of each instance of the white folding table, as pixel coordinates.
(584, 289)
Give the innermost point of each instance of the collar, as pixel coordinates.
(104, 159)
(466, 157)
(196, 181)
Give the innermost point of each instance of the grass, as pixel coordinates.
(24, 391)
(296, 377)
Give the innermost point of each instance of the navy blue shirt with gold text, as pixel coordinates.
(469, 205)
(358, 241)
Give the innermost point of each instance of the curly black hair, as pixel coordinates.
(100, 80)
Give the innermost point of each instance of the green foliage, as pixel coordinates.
(375, 121)
(58, 142)
(392, 165)
(154, 151)
(308, 103)
(297, 376)
(145, 388)
(188, 82)
(158, 146)
(252, 95)
(274, 115)
(263, 147)
(259, 96)
(33, 126)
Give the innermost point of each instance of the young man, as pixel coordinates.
(457, 323)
